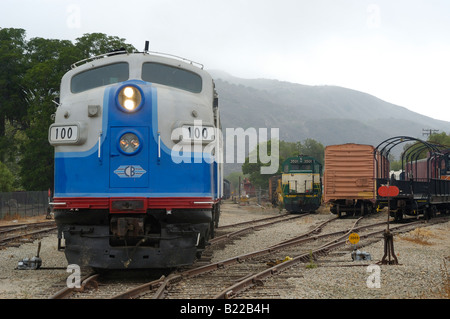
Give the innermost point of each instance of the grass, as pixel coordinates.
(419, 236)
(311, 264)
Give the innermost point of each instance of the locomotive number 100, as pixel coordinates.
(67, 133)
(198, 132)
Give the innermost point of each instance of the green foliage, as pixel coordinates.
(6, 179)
(12, 69)
(99, 43)
(14, 138)
(311, 264)
(441, 139)
(233, 178)
(421, 150)
(30, 75)
(309, 147)
(253, 170)
(49, 60)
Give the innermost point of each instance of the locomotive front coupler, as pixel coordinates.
(127, 226)
(73, 230)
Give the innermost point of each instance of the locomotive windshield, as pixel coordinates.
(104, 75)
(301, 167)
(172, 76)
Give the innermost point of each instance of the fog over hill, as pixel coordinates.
(328, 114)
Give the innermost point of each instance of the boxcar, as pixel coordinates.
(349, 178)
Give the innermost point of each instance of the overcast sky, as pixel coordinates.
(396, 50)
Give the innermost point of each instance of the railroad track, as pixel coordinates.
(228, 278)
(244, 228)
(103, 286)
(96, 285)
(190, 278)
(234, 276)
(12, 233)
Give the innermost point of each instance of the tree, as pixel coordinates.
(313, 148)
(93, 44)
(286, 150)
(48, 61)
(441, 139)
(13, 66)
(233, 178)
(30, 75)
(6, 179)
(289, 149)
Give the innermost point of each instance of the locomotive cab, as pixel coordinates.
(301, 184)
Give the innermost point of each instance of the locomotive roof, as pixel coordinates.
(135, 61)
(123, 51)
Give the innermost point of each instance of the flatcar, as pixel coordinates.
(301, 184)
(137, 180)
(424, 184)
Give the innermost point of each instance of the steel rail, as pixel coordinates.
(250, 228)
(318, 229)
(163, 283)
(9, 229)
(90, 279)
(11, 238)
(34, 224)
(132, 293)
(251, 221)
(257, 279)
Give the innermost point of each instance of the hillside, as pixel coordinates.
(328, 114)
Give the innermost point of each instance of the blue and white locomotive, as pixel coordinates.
(138, 179)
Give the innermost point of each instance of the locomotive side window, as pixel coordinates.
(104, 75)
(172, 76)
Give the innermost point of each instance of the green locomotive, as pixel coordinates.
(301, 184)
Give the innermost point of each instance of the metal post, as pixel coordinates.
(239, 198)
(389, 243)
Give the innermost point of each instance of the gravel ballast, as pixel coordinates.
(423, 254)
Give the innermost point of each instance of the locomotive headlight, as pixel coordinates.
(128, 92)
(129, 143)
(130, 98)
